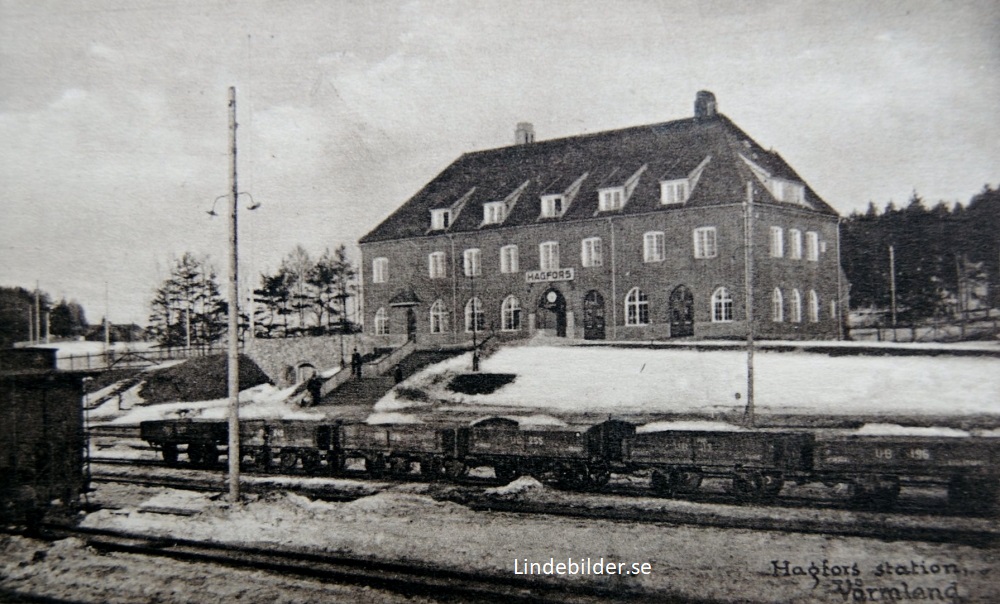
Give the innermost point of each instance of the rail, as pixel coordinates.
(132, 358)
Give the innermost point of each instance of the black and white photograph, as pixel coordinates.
(309, 301)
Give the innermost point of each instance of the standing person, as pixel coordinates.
(356, 364)
(398, 373)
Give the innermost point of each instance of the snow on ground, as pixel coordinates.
(517, 487)
(83, 347)
(260, 402)
(621, 381)
(691, 563)
(897, 430)
(392, 417)
(688, 425)
(69, 571)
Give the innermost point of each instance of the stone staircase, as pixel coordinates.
(368, 390)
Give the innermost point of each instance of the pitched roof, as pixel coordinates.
(657, 152)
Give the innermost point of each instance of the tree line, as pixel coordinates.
(946, 259)
(305, 296)
(66, 318)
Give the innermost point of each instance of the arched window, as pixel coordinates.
(636, 307)
(796, 306)
(813, 307)
(439, 317)
(777, 306)
(474, 313)
(722, 306)
(510, 314)
(381, 323)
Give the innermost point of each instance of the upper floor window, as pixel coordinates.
(471, 262)
(722, 306)
(704, 243)
(508, 259)
(548, 255)
(510, 314)
(674, 191)
(494, 212)
(796, 304)
(813, 306)
(553, 206)
(653, 249)
(381, 323)
(612, 199)
(795, 243)
(812, 246)
(777, 306)
(786, 190)
(435, 265)
(440, 219)
(590, 252)
(380, 270)
(777, 242)
(636, 307)
(439, 317)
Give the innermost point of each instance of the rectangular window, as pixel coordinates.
(548, 255)
(591, 253)
(552, 206)
(704, 243)
(612, 199)
(440, 219)
(812, 246)
(653, 249)
(795, 235)
(508, 259)
(471, 262)
(380, 270)
(494, 212)
(435, 265)
(673, 191)
(777, 242)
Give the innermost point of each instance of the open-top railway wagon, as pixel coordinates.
(758, 463)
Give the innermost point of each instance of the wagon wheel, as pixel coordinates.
(875, 492)
(686, 481)
(196, 455)
(375, 465)
(310, 461)
(399, 466)
(170, 453)
(598, 474)
(431, 467)
(974, 495)
(261, 458)
(210, 455)
(455, 469)
(288, 459)
(572, 476)
(506, 471)
(335, 463)
(662, 483)
(772, 484)
(748, 486)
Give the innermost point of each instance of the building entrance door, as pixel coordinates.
(411, 324)
(552, 312)
(681, 312)
(593, 316)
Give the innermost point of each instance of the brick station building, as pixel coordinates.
(632, 234)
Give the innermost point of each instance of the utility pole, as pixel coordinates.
(107, 322)
(48, 326)
(961, 300)
(38, 315)
(892, 287)
(233, 356)
(475, 319)
(748, 269)
(31, 326)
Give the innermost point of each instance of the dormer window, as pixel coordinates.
(674, 191)
(553, 206)
(612, 199)
(788, 191)
(440, 219)
(494, 212)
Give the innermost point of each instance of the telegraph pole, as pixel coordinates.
(892, 287)
(748, 269)
(38, 315)
(233, 356)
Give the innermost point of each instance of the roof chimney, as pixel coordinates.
(525, 134)
(704, 104)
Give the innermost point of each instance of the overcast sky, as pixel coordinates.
(114, 123)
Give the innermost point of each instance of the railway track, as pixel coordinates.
(708, 510)
(410, 579)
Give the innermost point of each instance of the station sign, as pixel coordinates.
(559, 274)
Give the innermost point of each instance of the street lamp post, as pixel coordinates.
(475, 319)
(233, 353)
